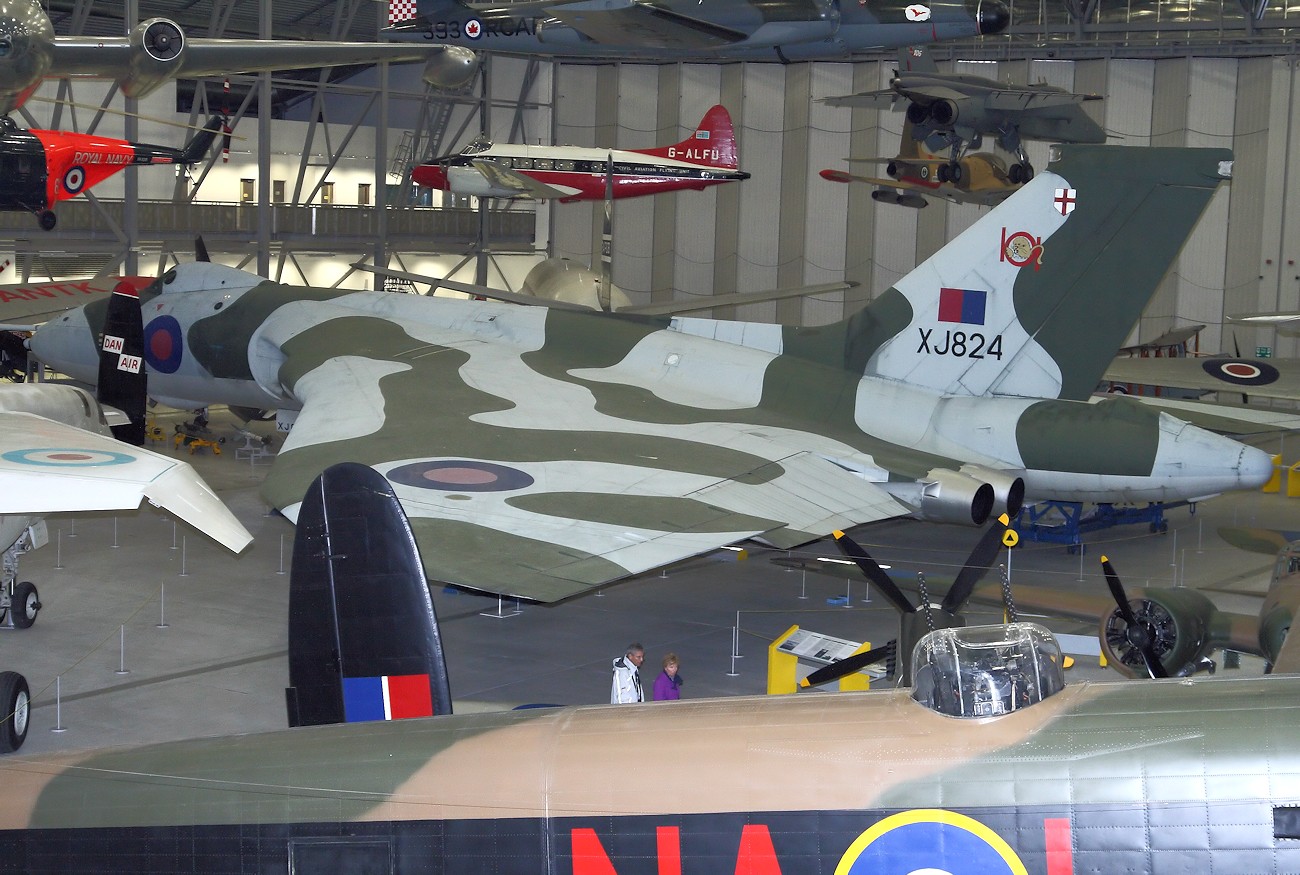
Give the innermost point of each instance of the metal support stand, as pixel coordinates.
(500, 613)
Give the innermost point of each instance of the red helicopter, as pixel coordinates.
(40, 168)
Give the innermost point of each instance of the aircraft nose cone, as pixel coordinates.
(430, 176)
(1255, 467)
(991, 16)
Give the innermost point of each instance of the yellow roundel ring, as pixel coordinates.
(1010, 538)
(927, 838)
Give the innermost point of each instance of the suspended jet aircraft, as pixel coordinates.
(40, 168)
(573, 173)
(157, 51)
(989, 765)
(687, 30)
(560, 450)
(915, 174)
(956, 110)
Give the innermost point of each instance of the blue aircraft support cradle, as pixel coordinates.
(1032, 523)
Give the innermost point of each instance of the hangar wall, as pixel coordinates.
(787, 226)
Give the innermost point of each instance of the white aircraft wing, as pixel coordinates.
(111, 57)
(1033, 99)
(48, 467)
(502, 177)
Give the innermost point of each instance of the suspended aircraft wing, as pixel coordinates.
(1263, 378)
(49, 467)
(503, 177)
(886, 98)
(1027, 100)
(529, 488)
(112, 57)
(1287, 323)
(986, 197)
(628, 22)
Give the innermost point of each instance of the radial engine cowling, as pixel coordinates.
(157, 50)
(949, 496)
(451, 68)
(1176, 621)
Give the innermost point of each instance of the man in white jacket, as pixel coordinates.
(627, 680)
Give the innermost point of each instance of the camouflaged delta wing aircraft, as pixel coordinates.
(542, 452)
(989, 767)
(689, 30)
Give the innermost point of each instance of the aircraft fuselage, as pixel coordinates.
(216, 336)
(1188, 775)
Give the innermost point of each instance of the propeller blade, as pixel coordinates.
(846, 666)
(977, 565)
(874, 573)
(1143, 644)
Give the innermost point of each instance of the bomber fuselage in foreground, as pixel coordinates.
(1188, 776)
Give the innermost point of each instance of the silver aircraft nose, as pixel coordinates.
(991, 16)
(67, 345)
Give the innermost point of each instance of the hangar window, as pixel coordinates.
(363, 194)
(523, 163)
(564, 165)
(986, 671)
(277, 191)
(543, 164)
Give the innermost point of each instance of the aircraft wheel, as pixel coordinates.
(15, 708)
(47, 220)
(26, 604)
(945, 173)
(954, 172)
(1016, 173)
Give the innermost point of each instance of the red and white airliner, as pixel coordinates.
(572, 173)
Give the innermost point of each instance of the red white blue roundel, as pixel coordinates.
(473, 28)
(66, 457)
(1241, 372)
(460, 475)
(74, 179)
(163, 346)
(931, 841)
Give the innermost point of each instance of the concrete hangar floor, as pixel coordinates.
(218, 666)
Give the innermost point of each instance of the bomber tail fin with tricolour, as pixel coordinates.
(1034, 299)
(713, 143)
(363, 638)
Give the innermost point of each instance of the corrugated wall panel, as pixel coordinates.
(828, 146)
(1199, 271)
(761, 195)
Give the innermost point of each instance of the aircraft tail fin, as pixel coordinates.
(915, 59)
(201, 142)
(713, 143)
(122, 381)
(1034, 299)
(363, 637)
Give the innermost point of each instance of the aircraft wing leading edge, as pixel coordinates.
(49, 467)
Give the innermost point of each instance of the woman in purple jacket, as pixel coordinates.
(667, 685)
